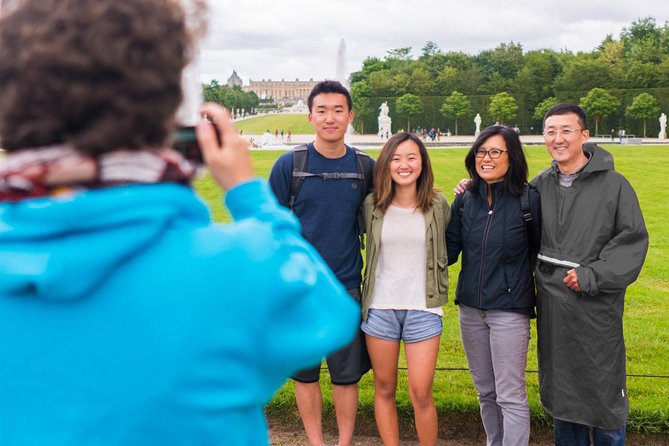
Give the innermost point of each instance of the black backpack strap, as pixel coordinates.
(299, 166)
(366, 171)
(532, 231)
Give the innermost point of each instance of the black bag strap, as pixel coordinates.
(299, 166)
(364, 173)
(533, 234)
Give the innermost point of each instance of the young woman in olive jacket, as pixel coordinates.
(406, 282)
(495, 291)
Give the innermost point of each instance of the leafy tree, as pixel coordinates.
(381, 83)
(471, 81)
(362, 105)
(409, 105)
(663, 80)
(503, 107)
(420, 82)
(642, 41)
(583, 74)
(456, 106)
(399, 53)
(447, 80)
(430, 49)
(644, 106)
(545, 105)
(506, 59)
(642, 75)
(598, 104)
(211, 92)
(536, 77)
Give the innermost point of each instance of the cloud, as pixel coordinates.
(299, 39)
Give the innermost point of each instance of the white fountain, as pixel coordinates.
(342, 76)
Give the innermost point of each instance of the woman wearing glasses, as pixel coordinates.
(495, 291)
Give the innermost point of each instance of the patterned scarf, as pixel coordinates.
(56, 170)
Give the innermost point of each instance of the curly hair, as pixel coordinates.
(96, 74)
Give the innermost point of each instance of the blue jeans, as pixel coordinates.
(574, 434)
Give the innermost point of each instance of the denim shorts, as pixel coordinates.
(402, 325)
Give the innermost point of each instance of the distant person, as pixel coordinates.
(406, 282)
(495, 293)
(128, 317)
(516, 128)
(327, 204)
(621, 135)
(593, 245)
(289, 137)
(613, 135)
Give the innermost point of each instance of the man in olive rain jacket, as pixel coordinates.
(593, 245)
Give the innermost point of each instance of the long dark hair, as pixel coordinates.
(516, 178)
(384, 187)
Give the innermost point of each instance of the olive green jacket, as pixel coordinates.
(436, 222)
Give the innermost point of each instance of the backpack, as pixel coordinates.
(364, 173)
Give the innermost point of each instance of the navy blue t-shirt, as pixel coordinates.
(327, 209)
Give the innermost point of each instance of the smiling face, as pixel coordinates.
(330, 117)
(489, 169)
(406, 165)
(564, 140)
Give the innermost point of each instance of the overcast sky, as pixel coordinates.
(292, 39)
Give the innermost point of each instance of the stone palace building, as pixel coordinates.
(283, 92)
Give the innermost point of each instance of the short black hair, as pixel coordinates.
(565, 109)
(516, 177)
(328, 86)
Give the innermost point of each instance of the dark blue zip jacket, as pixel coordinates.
(496, 272)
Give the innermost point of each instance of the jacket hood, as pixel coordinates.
(600, 159)
(63, 248)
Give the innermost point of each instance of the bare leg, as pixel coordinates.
(384, 354)
(345, 400)
(421, 364)
(310, 404)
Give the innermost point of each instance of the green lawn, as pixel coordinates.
(646, 313)
(298, 124)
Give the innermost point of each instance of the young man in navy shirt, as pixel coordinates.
(328, 210)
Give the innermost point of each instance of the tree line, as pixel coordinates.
(623, 83)
(233, 98)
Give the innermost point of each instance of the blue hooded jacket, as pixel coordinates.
(128, 318)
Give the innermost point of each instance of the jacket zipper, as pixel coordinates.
(486, 230)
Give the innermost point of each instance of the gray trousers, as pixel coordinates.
(496, 344)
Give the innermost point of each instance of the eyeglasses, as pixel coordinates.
(566, 133)
(492, 153)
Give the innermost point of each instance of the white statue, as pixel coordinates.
(477, 121)
(663, 127)
(384, 109)
(384, 122)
